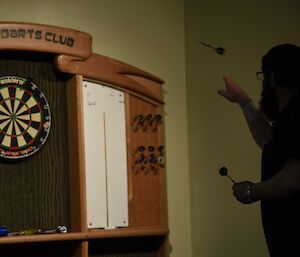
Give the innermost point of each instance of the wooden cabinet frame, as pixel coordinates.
(143, 94)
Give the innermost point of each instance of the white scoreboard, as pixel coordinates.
(105, 156)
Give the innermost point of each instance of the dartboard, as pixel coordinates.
(24, 118)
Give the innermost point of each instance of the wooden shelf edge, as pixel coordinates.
(127, 232)
(43, 238)
(85, 236)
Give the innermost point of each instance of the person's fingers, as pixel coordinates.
(221, 92)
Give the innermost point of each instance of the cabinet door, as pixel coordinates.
(105, 156)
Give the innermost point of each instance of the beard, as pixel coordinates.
(268, 103)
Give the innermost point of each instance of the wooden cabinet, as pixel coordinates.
(49, 188)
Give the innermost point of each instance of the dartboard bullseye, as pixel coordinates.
(24, 118)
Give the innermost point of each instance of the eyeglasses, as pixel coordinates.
(260, 75)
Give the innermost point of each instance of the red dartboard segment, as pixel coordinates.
(25, 118)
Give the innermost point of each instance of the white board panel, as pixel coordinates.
(116, 159)
(95, 164)
(106, 158)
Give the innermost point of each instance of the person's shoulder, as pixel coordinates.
(295, 112)
(296, 102)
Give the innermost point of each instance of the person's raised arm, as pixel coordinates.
(259, 127)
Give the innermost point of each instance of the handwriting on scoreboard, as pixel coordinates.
(48, 36)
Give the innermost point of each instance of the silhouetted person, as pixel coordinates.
(276, 129)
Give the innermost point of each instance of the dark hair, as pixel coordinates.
(284, 62)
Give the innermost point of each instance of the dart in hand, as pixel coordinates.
(223, 172)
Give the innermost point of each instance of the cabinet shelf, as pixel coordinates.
(127, 232)
(83, 236)
(43, 238)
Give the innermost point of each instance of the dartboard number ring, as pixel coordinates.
(25, 118)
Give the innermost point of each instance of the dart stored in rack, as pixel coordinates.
(4, 231)
(144, 122)
(148, 159)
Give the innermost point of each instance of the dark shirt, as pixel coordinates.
(281, 218)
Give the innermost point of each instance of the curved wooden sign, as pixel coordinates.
(75, 56)
(45, 38)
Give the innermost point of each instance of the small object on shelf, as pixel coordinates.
(33, 231)
(59, 229)
(25, 232)
(3, 231)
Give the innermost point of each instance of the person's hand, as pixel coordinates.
(233, 92)
(243, 192)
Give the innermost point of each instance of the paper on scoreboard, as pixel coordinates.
(105, 156)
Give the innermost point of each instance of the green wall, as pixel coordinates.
(217, 132)
(149, 35)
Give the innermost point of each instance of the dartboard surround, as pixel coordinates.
(25, 118)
